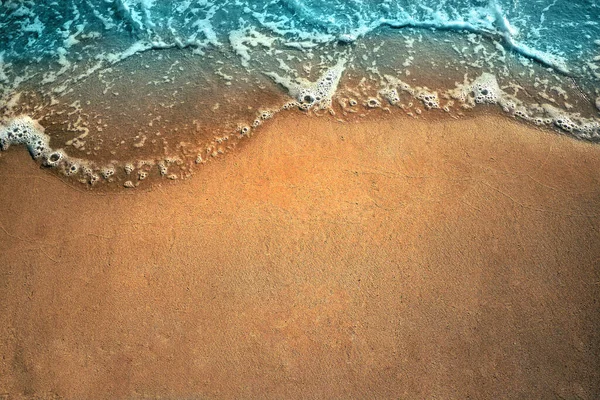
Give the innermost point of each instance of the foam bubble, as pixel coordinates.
(313, 95)
(429, 99)
(391, 95)
(290, 105)
(582, 128)
(162, 168)
(25, 131)
(54, 158)
(38, 147)
(87, 170)
(245, 130)
(373, 103)
(107, 172)
(266, 114)
(483, 90)
(72, 168)
(93, 179)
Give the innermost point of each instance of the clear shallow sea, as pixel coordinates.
(119, 90)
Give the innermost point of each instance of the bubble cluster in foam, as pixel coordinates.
(483, 90)
(162, 168)
(373, 103)
(71, 168)
(107, 172)
(391, 95)
(313, 95)
(54, 159)
(24, 131)
(430, 99)
(486, 90)
(573, 123)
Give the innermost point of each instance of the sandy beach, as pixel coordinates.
(392, 259)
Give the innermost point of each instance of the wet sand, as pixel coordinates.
(394, 259)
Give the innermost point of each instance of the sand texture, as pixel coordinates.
(393, 259)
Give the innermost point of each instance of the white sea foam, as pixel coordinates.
(313, 95)
(242, 40)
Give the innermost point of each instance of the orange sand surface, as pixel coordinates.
(394, 259)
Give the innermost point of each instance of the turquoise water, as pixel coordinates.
(118, 90)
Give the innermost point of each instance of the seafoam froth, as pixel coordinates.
(313, 95)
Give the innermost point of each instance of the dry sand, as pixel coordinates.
(395, 259)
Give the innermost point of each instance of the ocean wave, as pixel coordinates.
(143, 85)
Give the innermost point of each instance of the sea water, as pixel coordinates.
(117, 91)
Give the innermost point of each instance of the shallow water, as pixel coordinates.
(120, 90)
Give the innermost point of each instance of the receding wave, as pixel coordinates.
(122, 91)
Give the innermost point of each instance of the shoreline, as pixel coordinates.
(185, 169)
(378, 258)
